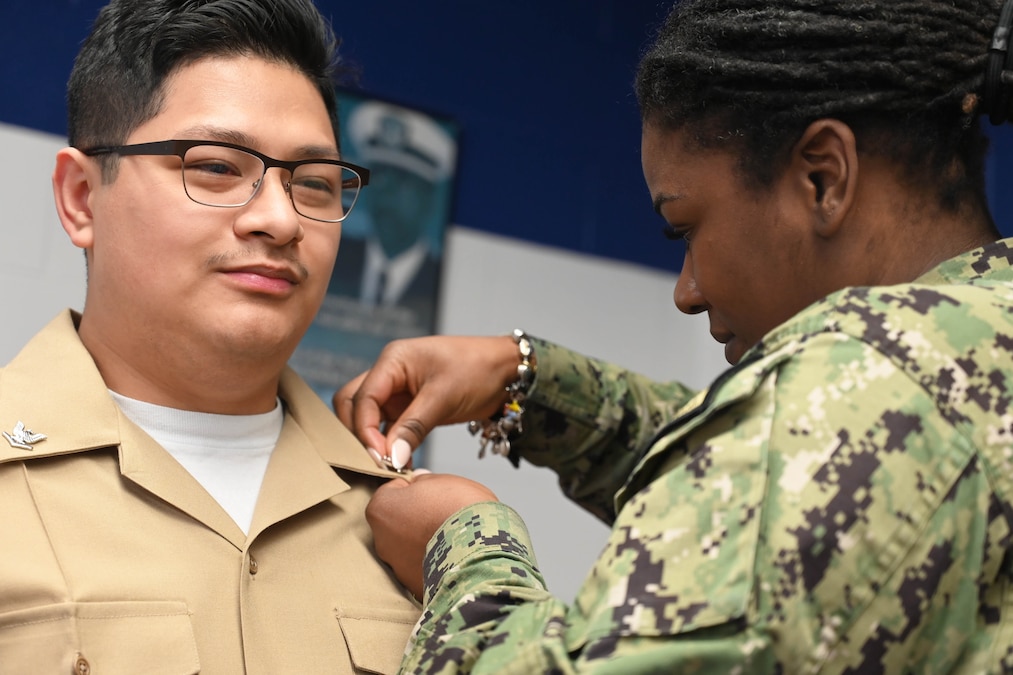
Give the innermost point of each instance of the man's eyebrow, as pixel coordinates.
(212, 133)
(663, 198)
(241, 138)
(316, 152)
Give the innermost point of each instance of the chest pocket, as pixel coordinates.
(106, 638)
(369, 634)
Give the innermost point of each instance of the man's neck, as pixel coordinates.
(187, 379)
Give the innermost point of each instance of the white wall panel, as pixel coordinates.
(41, 272)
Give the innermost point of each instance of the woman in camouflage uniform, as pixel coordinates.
(841, 499)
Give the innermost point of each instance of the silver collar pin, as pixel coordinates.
(23, 438)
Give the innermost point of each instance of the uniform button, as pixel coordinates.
(81, 666)
(253, 564)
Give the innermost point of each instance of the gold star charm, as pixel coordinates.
(23, 438)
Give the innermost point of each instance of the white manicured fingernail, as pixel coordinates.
(376, 458)
(400, 454)
(419, 472)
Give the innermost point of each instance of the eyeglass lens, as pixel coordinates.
(217, 176)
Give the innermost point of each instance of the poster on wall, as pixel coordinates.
(386, 277)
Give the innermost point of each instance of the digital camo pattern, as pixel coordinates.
(839, 502)
(593, 422)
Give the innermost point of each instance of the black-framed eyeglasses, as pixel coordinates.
(229, 175)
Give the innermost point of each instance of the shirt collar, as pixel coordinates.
(400, 270)
(52, 387)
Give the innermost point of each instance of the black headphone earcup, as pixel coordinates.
(998, 84)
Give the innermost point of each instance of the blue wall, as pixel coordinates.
(541, 89)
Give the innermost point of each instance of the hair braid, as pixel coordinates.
(757, 72)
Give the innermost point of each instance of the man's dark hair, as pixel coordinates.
(905, 75)
(118, 79)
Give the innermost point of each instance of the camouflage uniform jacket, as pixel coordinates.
(838, 502)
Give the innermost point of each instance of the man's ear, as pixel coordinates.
(75, 178)
(826, 159)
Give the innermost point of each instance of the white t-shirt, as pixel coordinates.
(227, 454)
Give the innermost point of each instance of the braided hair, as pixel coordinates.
(905, 75)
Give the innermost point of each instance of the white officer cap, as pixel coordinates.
(388, 134)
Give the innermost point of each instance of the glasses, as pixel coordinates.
(229, 175)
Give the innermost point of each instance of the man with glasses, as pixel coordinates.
(173, 498)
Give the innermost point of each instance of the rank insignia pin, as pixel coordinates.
(23, 438)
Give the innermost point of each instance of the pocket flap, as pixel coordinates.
(369, 636)
(112, 637)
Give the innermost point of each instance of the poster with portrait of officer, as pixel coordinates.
(386, 277)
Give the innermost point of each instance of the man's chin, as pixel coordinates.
(266, 338)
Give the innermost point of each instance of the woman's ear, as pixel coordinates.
(826, 157)
(75, 178)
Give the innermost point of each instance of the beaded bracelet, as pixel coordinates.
(497, 431)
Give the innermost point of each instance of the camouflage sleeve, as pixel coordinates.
(487, 611)
(591, 422)
(821, 516)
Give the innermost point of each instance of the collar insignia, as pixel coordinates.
(23, 438)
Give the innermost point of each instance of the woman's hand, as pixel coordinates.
(419, 384)
(404, 515)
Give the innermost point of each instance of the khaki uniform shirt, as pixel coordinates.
(839, 502)
(113, 559)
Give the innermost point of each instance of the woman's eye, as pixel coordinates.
(675, 234)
